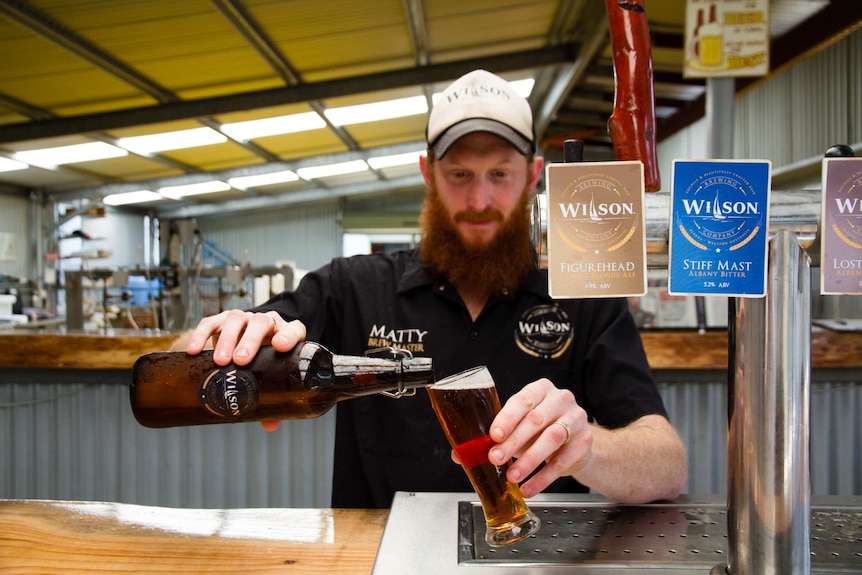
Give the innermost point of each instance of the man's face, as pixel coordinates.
(474, 223)
(481, 181)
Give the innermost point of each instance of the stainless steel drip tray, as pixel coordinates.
(438, 533)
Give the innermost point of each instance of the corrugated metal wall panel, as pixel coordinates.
(802, 111)
(836, 428)
(699, 413)
(80, 442)
(686, 144)
(307, 235)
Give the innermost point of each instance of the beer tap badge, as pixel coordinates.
(596, 238)
(718, 227)
(841, 227)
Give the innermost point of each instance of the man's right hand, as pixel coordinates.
(238, 335)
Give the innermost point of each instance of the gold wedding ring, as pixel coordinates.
(567, 428)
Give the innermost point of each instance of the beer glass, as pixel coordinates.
(466, 404)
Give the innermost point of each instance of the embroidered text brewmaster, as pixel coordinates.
(409, 339)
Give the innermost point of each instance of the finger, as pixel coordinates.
(565, 461)
(233, 324)
(525, 416)
(259, 329)
(270, 424)
(288, 334)
(517, 408)
(455, 458)
(208, 327)
(551, 445)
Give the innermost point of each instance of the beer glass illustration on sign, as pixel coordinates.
(466, 404)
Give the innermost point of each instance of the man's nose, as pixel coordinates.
(479, 195)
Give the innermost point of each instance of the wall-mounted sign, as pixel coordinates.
(8, 247)
(841, 227)
(596, 235)
(718, 227)
(726, 38)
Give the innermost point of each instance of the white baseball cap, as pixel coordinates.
(480, 102)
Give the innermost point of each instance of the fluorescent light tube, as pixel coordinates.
(523, 87)
(245, 182)
(7, 165)
(251, 129)
(177, 192)
(410, 158)
(137, 197)
(50, 157)
(328, 170)
(153, 143)
(376, 111)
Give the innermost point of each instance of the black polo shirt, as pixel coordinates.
(384, 445)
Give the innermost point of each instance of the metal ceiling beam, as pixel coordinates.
(224, 175)
(522, 60)
(257, 38)
(29, 17)
(292, 198)
(416, 24)
(52, 30)
(564, 26)
(24, 109)
(594, 23)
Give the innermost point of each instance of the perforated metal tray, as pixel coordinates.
(438, 533)
(663, 536)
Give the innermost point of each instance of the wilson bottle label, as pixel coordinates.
(229, 393)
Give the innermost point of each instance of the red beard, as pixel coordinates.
(500, 265)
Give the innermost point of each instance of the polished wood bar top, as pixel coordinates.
(117, 350)
(692, 350)
(677, 349)
(65, 537)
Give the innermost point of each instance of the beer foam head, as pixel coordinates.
(474, 378)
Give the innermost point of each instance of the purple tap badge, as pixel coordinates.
(841, 227)
(596, 238)
(718, 227)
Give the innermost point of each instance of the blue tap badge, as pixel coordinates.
(718, 227)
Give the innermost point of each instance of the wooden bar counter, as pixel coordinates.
(666, 350)
(84, 538)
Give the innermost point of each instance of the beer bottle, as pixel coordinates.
(172, 388)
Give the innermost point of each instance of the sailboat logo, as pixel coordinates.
(720, 211)
(597, 214)
(716, 209)
(594, 214)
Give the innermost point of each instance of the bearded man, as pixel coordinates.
(581, 409)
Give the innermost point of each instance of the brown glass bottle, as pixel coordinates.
(171, 389)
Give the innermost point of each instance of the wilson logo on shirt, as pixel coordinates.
(544, 331)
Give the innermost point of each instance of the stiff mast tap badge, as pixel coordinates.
(596, 237)
(718, 227)
(841, 227)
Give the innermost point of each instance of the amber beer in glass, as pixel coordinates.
(466, 404)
